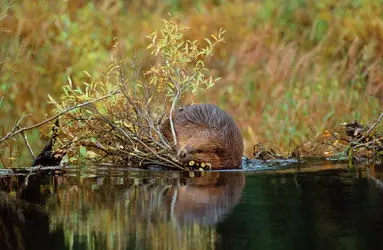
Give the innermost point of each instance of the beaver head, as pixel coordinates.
(206, 135)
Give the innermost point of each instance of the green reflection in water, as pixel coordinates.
(333, 209)
(132, 210)
(119, 209)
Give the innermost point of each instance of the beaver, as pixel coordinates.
(206, 136)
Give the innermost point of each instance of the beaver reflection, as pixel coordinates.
(204, 199)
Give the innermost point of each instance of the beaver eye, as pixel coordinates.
(199, 151)
(218, 150)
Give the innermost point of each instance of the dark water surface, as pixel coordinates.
(317, 207)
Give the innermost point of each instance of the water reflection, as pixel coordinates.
(119, 210)
(24, 224)
(329, 209)
(311, 207)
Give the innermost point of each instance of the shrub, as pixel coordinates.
(118, 118)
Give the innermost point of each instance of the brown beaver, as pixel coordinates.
(206, 136)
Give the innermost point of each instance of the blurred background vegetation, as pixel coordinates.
(289, 69)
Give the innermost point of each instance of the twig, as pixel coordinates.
(11, 134)
(135, 139)
(143, 144)
(175, 100)
(372, 127)
(367, 143)
(171, 118)
(5, 11)
(355, 145)
(367, 133)
(27, 143)
(180, 90)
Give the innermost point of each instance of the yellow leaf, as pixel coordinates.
(91, 155)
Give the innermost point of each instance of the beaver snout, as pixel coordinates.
(190, 157)
(184, 155)
(197, 158)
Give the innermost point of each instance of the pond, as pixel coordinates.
(313, 206)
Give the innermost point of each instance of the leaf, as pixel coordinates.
(65, 90)
(91, 155)
(51, 99)
(70, 82)
(73, 159)
(86, 73)
(83, 151)
(209, 42)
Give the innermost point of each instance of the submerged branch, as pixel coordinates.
(31, 170)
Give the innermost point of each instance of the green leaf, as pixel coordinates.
(83, 151)
(73, 159)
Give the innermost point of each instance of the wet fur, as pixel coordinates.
(208, 134)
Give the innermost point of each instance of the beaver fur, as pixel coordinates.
(206, 134)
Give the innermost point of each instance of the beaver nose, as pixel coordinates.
(182, 154)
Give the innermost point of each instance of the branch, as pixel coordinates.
(171, 118)
(367, 133)
(27, 144)
(180, 90)
(11, 134)
(372, 127)
(131, 139)
(367, 143)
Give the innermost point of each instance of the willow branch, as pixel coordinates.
(132, 140)
(171, 118)
(27, 144)
(123, 132)
(372, 127)
(175, 100)
(11, 134)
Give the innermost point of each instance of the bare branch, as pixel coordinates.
(123, 132)
(27, 144)
(13, 132)
(171, 118)
(369, 131)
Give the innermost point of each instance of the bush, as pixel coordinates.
(118, 118)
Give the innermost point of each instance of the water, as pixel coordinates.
(315, 206)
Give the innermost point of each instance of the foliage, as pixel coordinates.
(122, 118)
